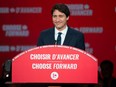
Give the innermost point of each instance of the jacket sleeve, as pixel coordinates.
(40, 40)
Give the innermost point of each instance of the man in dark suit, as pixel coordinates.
(69, 37)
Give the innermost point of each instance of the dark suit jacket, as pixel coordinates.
(73, 38)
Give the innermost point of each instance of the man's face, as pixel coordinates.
(59, 20)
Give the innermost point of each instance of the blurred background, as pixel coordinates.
(21, 22)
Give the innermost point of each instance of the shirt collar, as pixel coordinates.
(63, 31)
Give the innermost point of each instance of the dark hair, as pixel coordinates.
(107, 62)
(62, 8)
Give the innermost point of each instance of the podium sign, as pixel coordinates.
(54, 64)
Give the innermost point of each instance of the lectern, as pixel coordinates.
(54, 64)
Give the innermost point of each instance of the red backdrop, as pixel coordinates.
(22, 20)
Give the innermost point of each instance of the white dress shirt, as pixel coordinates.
(63, 35)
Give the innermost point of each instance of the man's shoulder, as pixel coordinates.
(75, 31)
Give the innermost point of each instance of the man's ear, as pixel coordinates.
(67, 18)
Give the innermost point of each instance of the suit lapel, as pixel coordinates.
(68, 37)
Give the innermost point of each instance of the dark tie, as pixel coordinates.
(59, 38)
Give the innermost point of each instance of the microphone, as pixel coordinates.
(55, 42)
